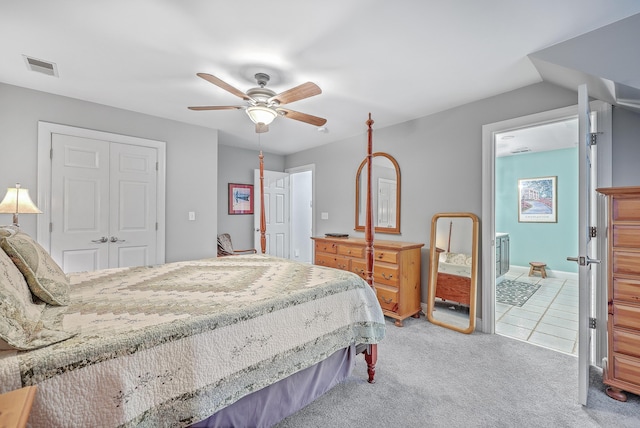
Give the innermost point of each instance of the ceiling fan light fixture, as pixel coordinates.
(261, 114)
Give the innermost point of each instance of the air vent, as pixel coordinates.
(41, 66)
(520, 150)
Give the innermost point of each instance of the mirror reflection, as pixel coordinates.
(453, 271)
(385, 191)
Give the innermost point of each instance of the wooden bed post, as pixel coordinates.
(263, 223)
(368, 229)
(371, 354)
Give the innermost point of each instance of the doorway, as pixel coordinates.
(536, 206)
(602, 115)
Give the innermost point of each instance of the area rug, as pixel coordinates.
(515, 293)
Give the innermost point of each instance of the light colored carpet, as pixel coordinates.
(430, 376)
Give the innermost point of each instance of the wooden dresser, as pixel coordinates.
(622, 371)
(396, 270)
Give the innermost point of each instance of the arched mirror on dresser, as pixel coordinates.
(385, 191)
(453, 271)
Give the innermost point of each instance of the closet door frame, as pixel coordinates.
(45, 130)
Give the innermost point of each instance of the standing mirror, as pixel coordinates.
(453, 271)
(385, 191)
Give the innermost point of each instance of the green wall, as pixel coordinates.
(550, 243)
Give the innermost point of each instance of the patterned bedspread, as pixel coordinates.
(172, 344)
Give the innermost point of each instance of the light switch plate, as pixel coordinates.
(324, 216)
(192, 216)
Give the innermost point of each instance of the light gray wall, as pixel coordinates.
(626, 148)
(440, 159)
(237, 165)
(192, 159)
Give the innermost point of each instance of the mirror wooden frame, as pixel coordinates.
(391, 230)
(434, 255)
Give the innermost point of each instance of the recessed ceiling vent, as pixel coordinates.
(520, 150)
(41, 66)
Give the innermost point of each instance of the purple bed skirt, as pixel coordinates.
(270, 405)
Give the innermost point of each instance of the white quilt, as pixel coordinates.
(172, 344)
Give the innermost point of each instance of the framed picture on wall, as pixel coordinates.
(240, 198)
(538, 200)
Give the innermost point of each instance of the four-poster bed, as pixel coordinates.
(195, 342)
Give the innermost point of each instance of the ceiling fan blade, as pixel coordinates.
(261, 127)
(300, 92)
(224, 85)
(215, 108)
(302, 117)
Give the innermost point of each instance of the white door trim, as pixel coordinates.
(45, 129)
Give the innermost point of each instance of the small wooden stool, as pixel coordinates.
(538, 267)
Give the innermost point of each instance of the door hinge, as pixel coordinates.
(51, 153)
(50, 227)
(594, 138)
(593, 232)
(156, 225)
(592, 323)
(157, 166)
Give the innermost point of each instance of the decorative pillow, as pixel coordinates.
(45, 278)
(20, 319)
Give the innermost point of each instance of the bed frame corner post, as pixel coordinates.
(371, 357)
(368, 252)
(263, 223)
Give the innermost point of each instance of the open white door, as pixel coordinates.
(587, 180)
(276, 207)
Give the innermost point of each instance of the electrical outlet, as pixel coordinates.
(324, 216)
(192, 216)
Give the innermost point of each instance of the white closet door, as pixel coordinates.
(103, 204)
(79, 203)
(132, 238)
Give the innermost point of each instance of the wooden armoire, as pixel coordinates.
(622, 368)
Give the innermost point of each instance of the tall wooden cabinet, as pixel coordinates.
(396, 271)
(622, 371)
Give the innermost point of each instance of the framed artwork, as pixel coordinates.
(240, 198)
(538, 200)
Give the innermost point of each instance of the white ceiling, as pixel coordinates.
(398, 59)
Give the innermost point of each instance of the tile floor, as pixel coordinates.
(549, 318)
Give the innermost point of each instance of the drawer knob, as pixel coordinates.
(387, 301)
(387, 277)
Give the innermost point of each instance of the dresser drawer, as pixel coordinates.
(626, 262)
(351, 251)
(389, 275)
(326, 247)
(385, 256)
(388, 298)
(627, 290)
(626, 236)
(343, 263)
(626, 316)
(359, 268)
(626, 369)
(625, 209)
(626, 342)
(326, 260)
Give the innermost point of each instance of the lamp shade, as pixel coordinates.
(261, 114)
(17, 201)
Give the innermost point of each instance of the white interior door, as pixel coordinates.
(276, 207)
(386, 203)
(585, 259)
(79, 215)
(132, 217)
(103, 204)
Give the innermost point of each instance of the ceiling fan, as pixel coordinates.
(263, 104)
